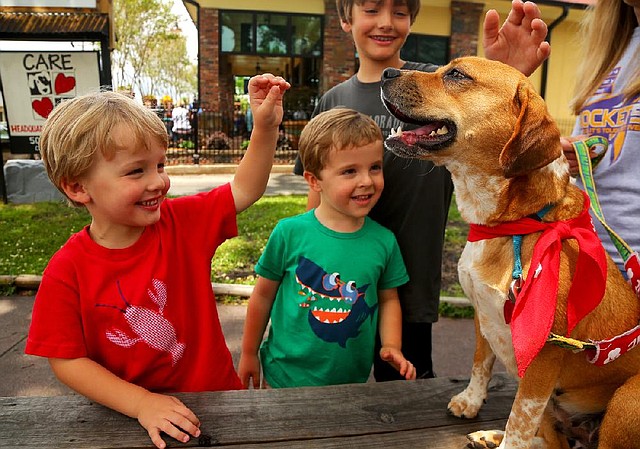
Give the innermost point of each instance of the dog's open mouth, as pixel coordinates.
(431, 135)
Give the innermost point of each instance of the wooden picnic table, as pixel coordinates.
(371, 415)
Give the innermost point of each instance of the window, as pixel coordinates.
(270, 34)
(428, 49)
(307, 35)
(236, 32)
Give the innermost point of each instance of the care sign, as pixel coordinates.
(33, 83)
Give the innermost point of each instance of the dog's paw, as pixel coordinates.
(465, 404)
(485, 439)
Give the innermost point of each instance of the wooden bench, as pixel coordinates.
(372, 415)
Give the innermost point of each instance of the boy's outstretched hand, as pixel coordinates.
(396, 359)
(160, 413)
(265, 98)
(520, 41)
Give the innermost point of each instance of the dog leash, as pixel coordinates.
(605, 351)
(585, 166)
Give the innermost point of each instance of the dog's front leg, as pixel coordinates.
(467, 403)
(527, 411)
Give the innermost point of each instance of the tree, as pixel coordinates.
(171, 70)
(151, 51)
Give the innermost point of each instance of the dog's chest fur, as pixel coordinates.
(486, 287)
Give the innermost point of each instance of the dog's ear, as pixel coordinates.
(535, 141)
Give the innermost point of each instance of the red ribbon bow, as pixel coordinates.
(535, 306)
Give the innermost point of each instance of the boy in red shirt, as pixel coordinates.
(125, 311)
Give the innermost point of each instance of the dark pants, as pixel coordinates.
(181, 134)
(416, 347)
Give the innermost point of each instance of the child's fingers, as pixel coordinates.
(256, 381)
(179, 426)
(410, 373)
(158, 442)
(267, 79)
(253, 380)
(170, 429)
(169, 415)
(188, 423)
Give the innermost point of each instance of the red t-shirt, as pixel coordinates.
(147, 312)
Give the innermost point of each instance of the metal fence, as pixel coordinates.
(222, 141)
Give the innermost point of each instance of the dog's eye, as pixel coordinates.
(456, 74)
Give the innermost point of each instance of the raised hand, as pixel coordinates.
(265, 98)
(520, 41)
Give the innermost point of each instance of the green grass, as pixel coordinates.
(235, 259)
(31, 233)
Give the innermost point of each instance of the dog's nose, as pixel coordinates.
(390, 73)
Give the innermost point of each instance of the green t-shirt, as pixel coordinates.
(324, 317)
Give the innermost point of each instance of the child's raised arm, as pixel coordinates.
(265, 98)
(155, 412)
(390, 327)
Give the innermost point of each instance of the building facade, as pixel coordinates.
(303, 41)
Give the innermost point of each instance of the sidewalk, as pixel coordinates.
(186, 180)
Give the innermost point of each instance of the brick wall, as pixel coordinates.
(209, 62)
(338, 63)
(465, 20)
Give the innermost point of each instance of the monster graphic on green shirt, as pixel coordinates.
(336, 308)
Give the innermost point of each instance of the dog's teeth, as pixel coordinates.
(396, 132)
(443, 130)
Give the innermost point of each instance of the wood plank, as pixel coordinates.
(451, 437)
(387, 413)
(344, 411)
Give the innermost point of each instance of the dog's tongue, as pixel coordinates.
(410, 137)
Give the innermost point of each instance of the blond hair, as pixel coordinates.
(338, 128)
(608, 26)
(344, 8)
(79, 128)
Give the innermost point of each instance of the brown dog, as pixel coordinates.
(484, 121)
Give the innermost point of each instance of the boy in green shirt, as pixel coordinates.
(328, 277)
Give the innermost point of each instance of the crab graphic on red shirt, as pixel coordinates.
(149, 326)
